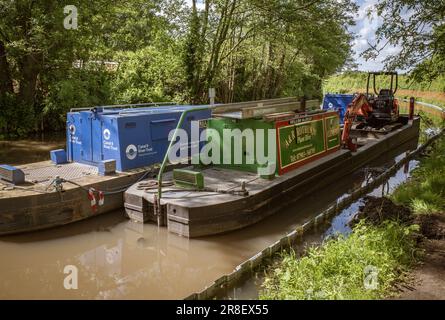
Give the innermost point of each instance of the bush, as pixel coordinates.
(82, 87)
(339, 268)
(149, 75)
(16, 119)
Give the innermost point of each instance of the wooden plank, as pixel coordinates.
(279, 116)
(268, 109)
(229, 107)
(312, 105)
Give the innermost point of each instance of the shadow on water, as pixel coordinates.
(102, 223)
(31, 149)
(117, 258)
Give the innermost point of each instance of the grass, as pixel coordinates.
(425, 191)
(340, 267)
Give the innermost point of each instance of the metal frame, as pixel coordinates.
(133, 105)
(374, 74)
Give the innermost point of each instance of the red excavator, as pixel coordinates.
(371, 111)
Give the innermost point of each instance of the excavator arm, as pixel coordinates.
(358, 108)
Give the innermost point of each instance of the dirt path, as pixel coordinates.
(429, 277)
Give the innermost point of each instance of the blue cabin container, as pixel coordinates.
(134, 137)
(337, 102)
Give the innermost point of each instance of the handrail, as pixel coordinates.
(137, 105)
(432, 106)
(172, 141)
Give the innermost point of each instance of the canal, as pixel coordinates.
(120, 259)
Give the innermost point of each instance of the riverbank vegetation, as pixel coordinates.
(424, 193)
(338, 269)
(385, 241)
(145, 50)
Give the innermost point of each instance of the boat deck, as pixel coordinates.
(36, 204)
(40, 175)
(222, 181)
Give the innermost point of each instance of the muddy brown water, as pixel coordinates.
(119, 259)
(33, 149)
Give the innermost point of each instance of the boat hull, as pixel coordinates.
(24, 208)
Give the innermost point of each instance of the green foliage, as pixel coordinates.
(338, 268)
(85, 87)
(357, 80)
(416, 26)
(154, 75)
(425, 191)
(15, 117)
(254, 49)
(38, 59)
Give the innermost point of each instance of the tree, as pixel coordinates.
(35, 51)
(244, 48)
(418, 28)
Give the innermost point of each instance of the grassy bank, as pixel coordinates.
(424, 193)
(351, 82)
(338, 268)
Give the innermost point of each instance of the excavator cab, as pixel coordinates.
(371, 111)
(384, 104)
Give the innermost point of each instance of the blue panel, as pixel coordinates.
(86, 136)
(73, 137)
(58, 156)
(161, 128)
(96, 133)
(133, 137)
(11, 174)
(337, 102)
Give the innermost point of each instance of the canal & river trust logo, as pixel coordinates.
(107, 134)
(131, 152)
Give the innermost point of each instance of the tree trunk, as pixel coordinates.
(29, 67)
(5, 74)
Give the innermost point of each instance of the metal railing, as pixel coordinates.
(131, 105)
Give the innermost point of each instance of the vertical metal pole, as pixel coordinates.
(373, 84)
(411, 108)
(212, 96)
(392, 80)
(367, 86)
(406, 165)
